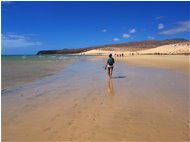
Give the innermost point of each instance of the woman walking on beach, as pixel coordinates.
(109, 64)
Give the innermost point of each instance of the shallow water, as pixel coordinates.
(18, 70)
(81, 103)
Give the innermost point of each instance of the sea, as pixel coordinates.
(20, 69)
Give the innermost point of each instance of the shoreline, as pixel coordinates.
(80, 103)
(17, 72)
(173, 62)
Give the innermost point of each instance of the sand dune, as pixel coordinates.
(180, 48)
(104, 52)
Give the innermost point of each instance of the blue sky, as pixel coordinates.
(28, 27)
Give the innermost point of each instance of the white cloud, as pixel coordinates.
(131, 31)
(181, 27)
(126, 35)
(160, 26)
(104, 30)
(115, 39)
(151, 37)
(12, 40)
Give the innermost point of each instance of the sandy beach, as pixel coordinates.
(178, 63)
(56, 71)
(146, 100)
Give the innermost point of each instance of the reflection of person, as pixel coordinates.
(109, 64)
(110, 88)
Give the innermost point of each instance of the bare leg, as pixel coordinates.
(111, 71)
(108, 71)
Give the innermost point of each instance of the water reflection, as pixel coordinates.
(110, 88)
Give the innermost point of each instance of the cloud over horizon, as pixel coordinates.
(126, 35)
(12, 40)
(160, 26)
(115, 39)
(151, 37)
(131, 31)
(181, 27)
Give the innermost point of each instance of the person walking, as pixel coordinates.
(109, 65)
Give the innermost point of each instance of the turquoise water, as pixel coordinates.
(40, 57)
(20, 69)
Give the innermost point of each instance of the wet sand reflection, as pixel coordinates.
(110, 88)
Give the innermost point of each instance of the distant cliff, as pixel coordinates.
(63, 51)
(130, 46)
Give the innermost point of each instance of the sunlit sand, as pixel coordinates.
(80, 103)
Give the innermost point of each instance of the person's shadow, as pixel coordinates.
(110, 88)
(117, 77)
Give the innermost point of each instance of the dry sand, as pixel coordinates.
(104, 52)
(173, 62)
(82, 104)
(180, 48)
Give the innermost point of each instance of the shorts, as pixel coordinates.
(110, 66)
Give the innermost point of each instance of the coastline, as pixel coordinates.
(95, 71)
(80, 103)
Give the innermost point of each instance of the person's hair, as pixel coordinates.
(110, 55)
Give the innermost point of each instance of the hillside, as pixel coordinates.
(141, 45)
(130, 46)
(178, 48)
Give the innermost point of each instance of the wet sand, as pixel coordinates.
(21, 70)
(80, 103)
